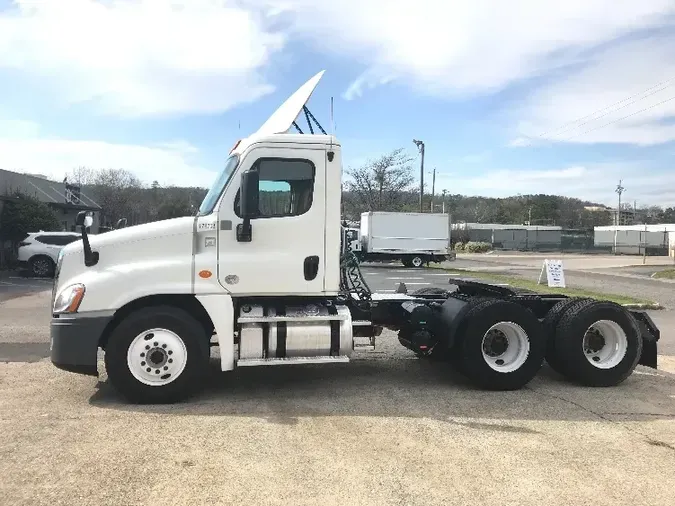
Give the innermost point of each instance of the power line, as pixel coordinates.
(612, 105)
(614, 110)
(620, 119)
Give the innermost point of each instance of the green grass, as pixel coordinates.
(518, 282)
(665, 274)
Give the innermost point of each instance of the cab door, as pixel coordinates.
(286, 253)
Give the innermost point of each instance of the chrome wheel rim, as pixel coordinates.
(505, 347)
(157, 357)
(605, 344)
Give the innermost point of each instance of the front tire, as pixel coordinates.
(157, 355)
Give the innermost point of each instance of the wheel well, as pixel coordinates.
(185, 302)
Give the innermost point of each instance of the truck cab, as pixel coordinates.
(266, 273)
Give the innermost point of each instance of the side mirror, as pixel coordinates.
(248, 206)
(84, 219)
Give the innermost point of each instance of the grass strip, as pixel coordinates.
(665, 274)
(519, 282)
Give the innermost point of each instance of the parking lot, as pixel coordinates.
(16, 284)
(385, 429)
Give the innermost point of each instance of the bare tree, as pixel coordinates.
(381, 184)
(118, 192)
(81, 176)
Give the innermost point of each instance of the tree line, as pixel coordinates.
(387, 183)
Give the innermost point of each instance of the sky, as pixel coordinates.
(510, 98)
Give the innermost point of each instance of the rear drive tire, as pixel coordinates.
(501, 345)
(42, 267)
(600, 343)
(417, 261)
(157, 355)
(551, 321)
(406, 262)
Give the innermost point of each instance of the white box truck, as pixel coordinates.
(414, 239)
(263, 272)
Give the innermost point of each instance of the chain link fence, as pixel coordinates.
(567, 240)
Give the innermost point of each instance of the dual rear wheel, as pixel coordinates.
(501, 345)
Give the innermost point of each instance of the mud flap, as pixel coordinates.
(650, 335)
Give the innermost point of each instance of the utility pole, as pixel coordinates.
(619, 189)
(444, 191)
(420, 146)
(433, 189)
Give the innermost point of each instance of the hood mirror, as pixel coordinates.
(85, 220)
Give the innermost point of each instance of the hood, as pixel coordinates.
(147, 231)
(154, 230)
(282, 119)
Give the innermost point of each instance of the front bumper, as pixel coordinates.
(74, 342)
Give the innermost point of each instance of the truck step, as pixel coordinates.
(249, 362)
(269, 319)
(361, 323)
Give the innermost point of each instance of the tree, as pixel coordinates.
(22, 215)
(118, 192)
(380, 184)
(81, 176)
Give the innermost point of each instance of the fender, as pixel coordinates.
(221, 311)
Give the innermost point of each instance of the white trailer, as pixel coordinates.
(412, 238)
(264, 272)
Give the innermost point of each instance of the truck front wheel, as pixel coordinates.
(157, 355)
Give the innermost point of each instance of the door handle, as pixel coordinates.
(311, 267)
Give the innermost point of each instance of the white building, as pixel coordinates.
(634, 239)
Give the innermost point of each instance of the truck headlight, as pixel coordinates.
(69, 299)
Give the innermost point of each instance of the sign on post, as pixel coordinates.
(555, 274)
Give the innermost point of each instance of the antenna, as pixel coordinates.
(332, 123)
(332, 120)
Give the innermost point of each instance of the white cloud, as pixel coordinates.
(144, 57)
(463, 46)
(638, 76)
(593, 182)
(55, 158)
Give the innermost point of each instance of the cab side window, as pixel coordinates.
(286, 187)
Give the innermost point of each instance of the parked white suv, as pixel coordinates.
(39, 251)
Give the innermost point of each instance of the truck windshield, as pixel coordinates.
(218, 185)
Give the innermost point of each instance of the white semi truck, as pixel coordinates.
(414, 239)
(264, 271)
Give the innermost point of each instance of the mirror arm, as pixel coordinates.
(90, 257)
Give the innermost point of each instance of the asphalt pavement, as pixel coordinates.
(16, 284)
(385, 429)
